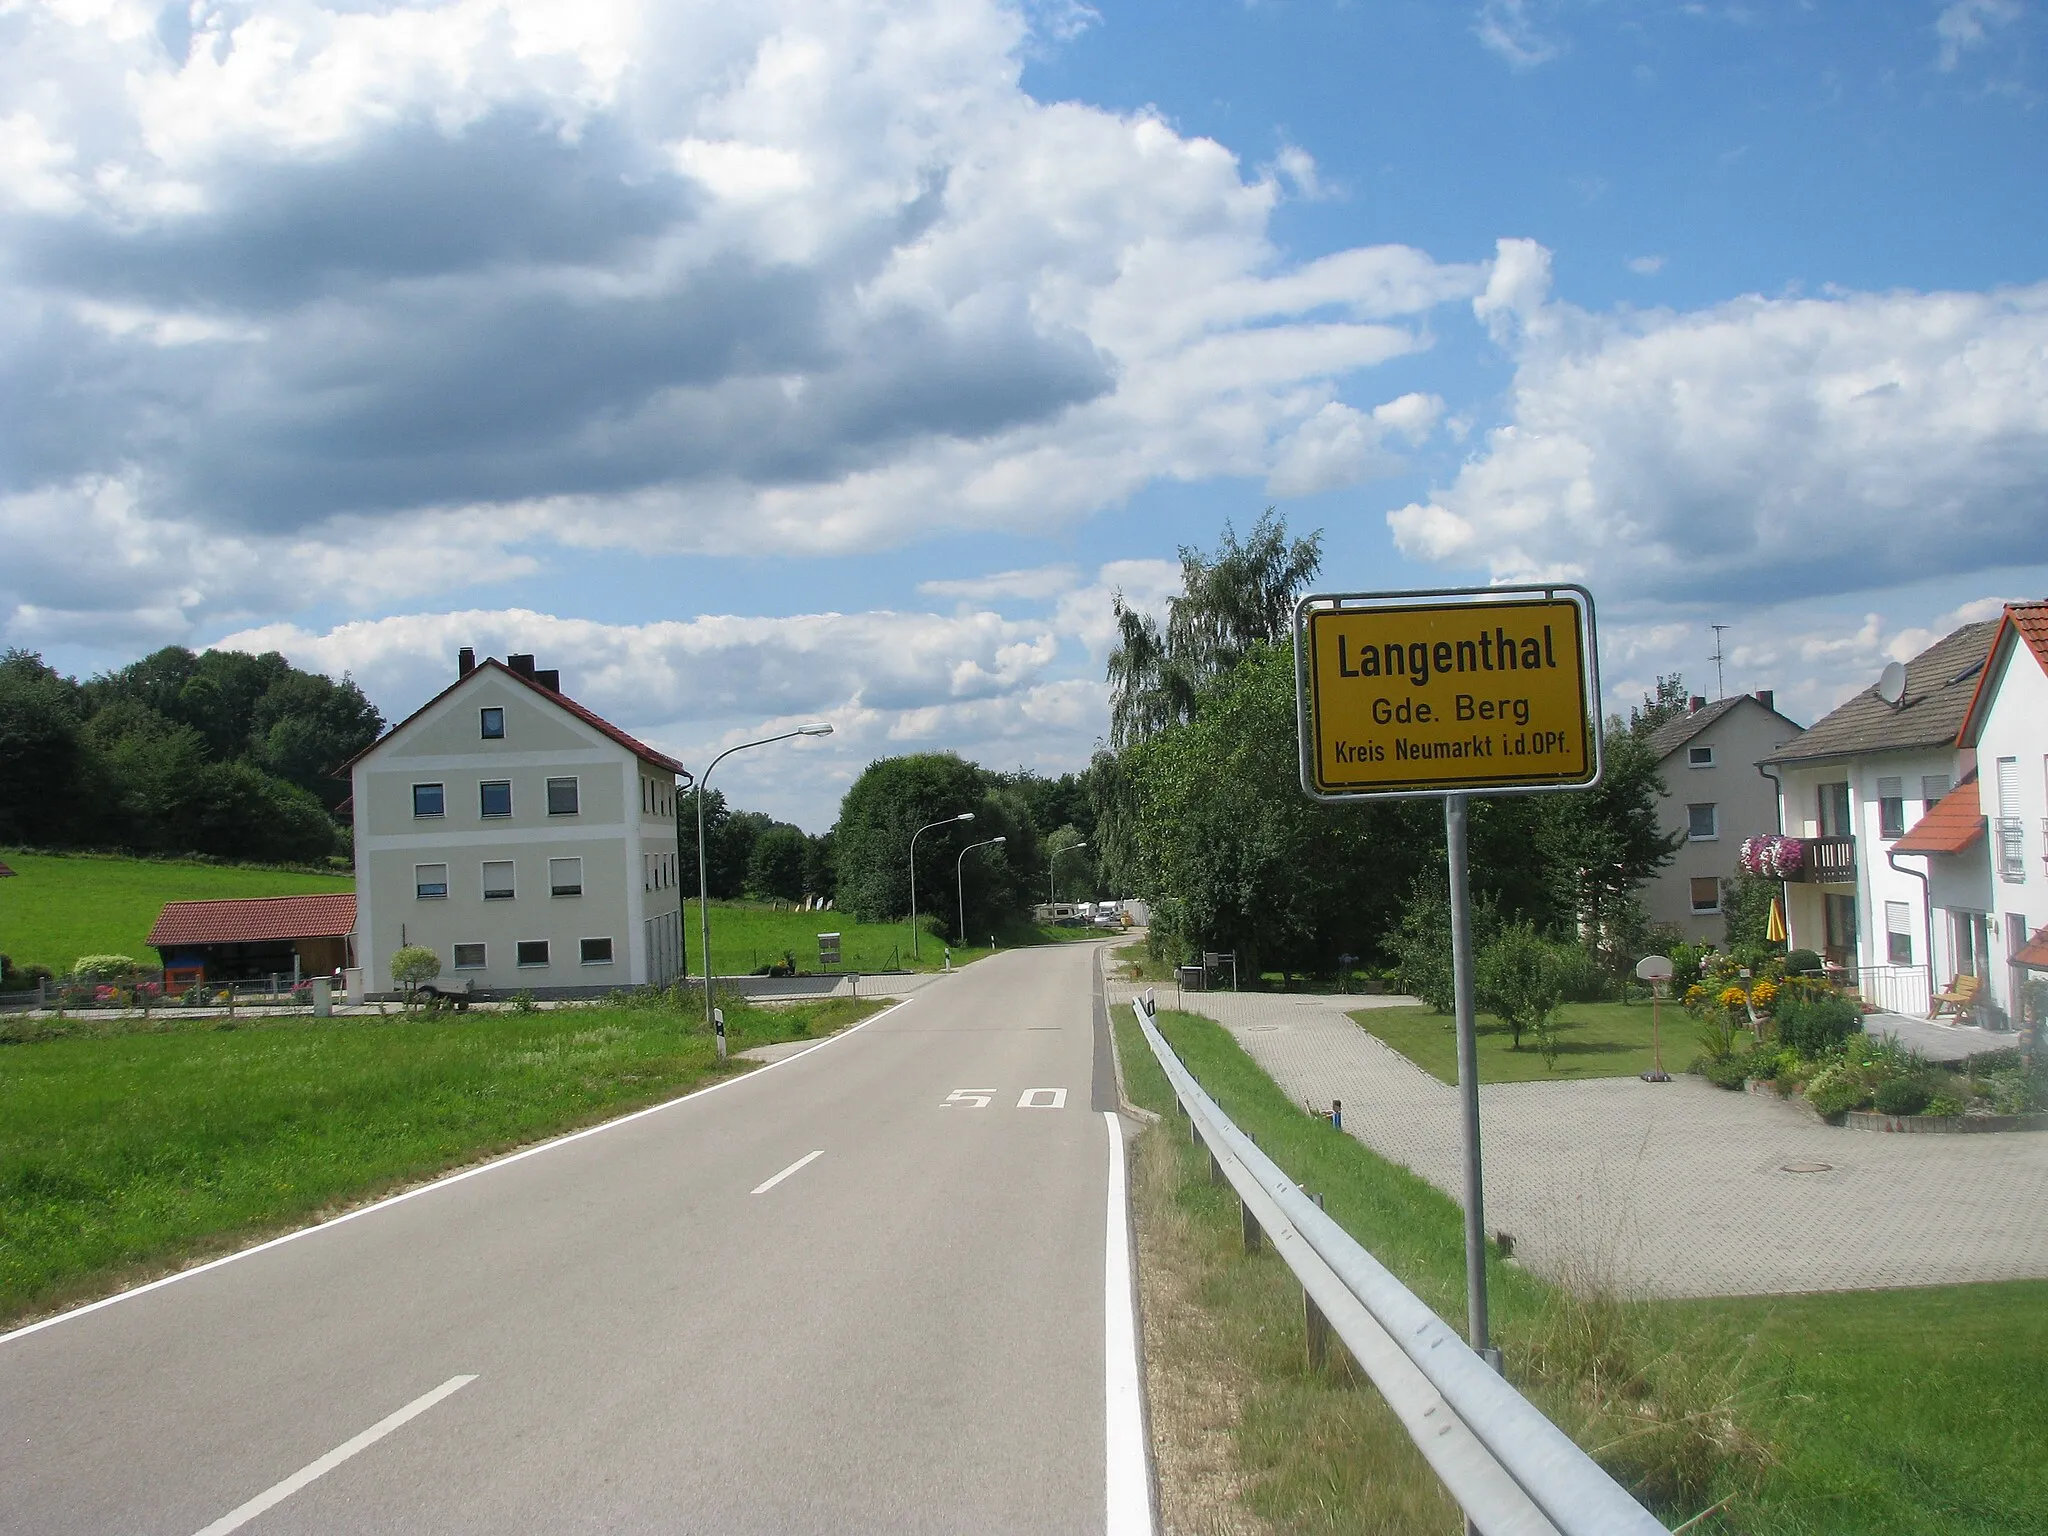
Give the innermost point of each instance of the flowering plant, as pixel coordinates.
(1764, 994)
(1772, 856)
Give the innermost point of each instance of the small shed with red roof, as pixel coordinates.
(254, 937)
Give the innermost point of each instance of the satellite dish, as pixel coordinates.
(1891, 683)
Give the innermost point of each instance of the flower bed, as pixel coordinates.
(1943, 1125)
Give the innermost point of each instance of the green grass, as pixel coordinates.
(123, 1155)
(1888, 1411)
(746, 935)
(1594, 1040)
(67, 905)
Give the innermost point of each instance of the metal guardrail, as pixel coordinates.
(1512, 1471)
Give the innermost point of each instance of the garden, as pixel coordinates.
(1780, 1022)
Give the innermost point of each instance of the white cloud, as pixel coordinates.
(1040, 582)
(795, 276)
(1515, 31)
(1339, 446)
(1756, 449)
(1965, 24)
(1646, 266)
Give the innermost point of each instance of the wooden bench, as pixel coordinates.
(1959, 999)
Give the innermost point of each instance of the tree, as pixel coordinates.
(775, 868)
(44, 759)
(1421, 941)
(1520, 979)
(1242, 597)
(1073, 873)
(896, 796)
(821, 873)
(1668, 703)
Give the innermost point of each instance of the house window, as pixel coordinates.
(429, 880)
(1834, 809)
(533, 951)
(565, 877)
(1891, 807)
(428, 800)
(1702, 824)
(562, 797)
(597, 951)
(494, 724)
(498, 880)
(469, 957)
(1898, 932)
(1699, 757)
(2012, 850)
(1841, 926)
(1706, 894)
(494, 797)
(1933, 786)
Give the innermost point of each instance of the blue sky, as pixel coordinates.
(825, 361)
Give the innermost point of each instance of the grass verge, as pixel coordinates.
(1593, 1040)
(129, 1156)
(746, 935)
(1824, 1415)
(71, 904)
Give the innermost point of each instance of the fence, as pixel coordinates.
(143, 989)
(1894, 988)
(1512, 1471)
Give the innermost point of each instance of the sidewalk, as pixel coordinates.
(1672, 1189)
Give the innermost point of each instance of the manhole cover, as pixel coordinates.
(1808, 1168)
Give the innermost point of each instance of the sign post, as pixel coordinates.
(1487, 690)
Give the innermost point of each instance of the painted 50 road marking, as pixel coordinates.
(981, 1098)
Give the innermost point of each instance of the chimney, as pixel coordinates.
(550, 680)
(521, 662)
(1693, 705)
(1768, 697)
(465, 661)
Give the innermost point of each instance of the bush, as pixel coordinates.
(1813, 1026)
(1903, 1096)
(1521, 981)
(24, 978)
(1944, 1105)
(412, 965)
(1722, 1071)
(1832, 1093)
(102, 967)
(1580, 975)
(1802, 962)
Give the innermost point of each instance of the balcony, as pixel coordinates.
(1828, 861)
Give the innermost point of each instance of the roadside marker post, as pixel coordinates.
(1444, 694)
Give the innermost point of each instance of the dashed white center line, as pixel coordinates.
(801, 1163)
(235, 1519)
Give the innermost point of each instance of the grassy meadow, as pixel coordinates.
(67, 905)
(1593, 1040)
(128, 1155)
(1824, 1415)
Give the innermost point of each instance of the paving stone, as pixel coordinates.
(1667, 1189)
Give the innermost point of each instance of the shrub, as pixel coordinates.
(1944, 1105)
(102, 967)
(1814, 1026)
(1580, 975)
(2011, 1092)
(522, 1001)
(1722, 1071)
(412, 965)
(1903, 1096)
(1521, 980)
(1802, 962)
(1831, 1093)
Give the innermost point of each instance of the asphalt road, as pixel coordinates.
(905, 1333)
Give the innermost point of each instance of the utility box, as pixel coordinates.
(352, 981)
(1192, 978)
(828, 949)
(323, 997)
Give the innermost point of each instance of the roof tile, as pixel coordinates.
(255, 919)
(1950, 825)
(1939, 684)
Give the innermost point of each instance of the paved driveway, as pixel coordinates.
(1674, 1189)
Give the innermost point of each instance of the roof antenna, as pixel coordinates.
(1720, 683)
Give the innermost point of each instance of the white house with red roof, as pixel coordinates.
(526, 841)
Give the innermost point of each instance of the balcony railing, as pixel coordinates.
(2012, 850)
(1828, 860)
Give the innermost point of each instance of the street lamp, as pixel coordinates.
(945, 821)
(1051, 894)
(704, 873)
(960, 880)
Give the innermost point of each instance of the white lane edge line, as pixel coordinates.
(238, 1517)
(796, 1167)
(1128, 1477)
(454, 1178)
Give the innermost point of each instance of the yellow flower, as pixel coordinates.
(1695, 995)
(1731, 997)
(1763, 994)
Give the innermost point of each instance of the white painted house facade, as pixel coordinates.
(1850, 788)
(527, 842)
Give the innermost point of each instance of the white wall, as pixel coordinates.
(2015, 725)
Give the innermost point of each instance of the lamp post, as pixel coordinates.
(945, 821)
(1051, 893)
(960, 880)
(704, 872)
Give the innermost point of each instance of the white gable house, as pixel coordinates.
(527, 842)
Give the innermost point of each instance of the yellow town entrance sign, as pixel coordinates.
(1486, 692)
